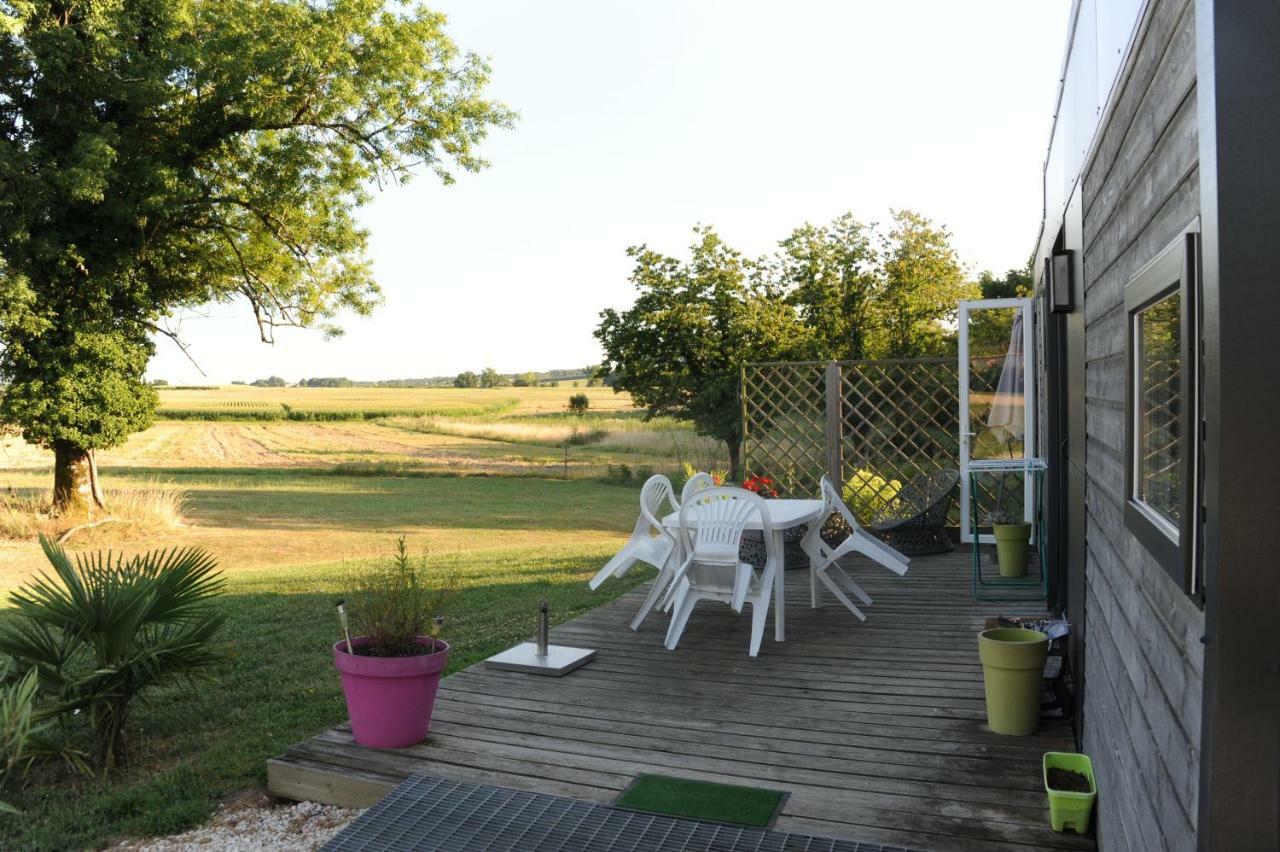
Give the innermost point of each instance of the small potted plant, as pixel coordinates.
(1013, 539)
(392, 668)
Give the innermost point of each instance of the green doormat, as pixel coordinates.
(703, 800)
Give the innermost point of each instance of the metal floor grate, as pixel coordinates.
(446, 816)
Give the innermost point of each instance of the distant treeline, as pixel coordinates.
(486, 378)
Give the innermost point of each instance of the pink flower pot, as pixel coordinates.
(390, 699)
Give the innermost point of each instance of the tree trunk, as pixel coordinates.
(735, 461)
(76, 489)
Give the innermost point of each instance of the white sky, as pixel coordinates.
(639, 120)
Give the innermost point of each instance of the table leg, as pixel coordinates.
(815, 588)
(779, 593)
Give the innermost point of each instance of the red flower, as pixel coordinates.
(761, 485)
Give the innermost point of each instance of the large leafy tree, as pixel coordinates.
(831, 274)
(989, 330)
(923, 283)
(679, 349)
(159, 154)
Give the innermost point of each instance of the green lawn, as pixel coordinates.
(514, 540)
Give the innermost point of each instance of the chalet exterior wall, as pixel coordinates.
(1143, 699)
(1144, 662)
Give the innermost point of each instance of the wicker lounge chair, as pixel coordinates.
(914, 522)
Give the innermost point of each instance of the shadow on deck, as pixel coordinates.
(877, 729)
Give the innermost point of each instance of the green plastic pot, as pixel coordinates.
(1012, 667)
(1068, 809)
(1012, 541)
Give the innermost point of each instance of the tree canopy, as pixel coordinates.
(679, 348)
(162, 154)
(841, 291)
(491, 378)
(923, 284)
(831, 274)
(866, 291)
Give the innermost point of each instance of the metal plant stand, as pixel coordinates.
(1005, 589)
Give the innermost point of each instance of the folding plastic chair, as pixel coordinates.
(649, 543)
(824, 558)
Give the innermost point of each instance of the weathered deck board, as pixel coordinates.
(877, 729)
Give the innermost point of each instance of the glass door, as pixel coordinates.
(997, 409)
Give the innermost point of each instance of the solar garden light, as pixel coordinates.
(346, 630)
(540, 656)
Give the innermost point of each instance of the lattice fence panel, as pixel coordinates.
(880, 424)
(897, 423)
(784, 410)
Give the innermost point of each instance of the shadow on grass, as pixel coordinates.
(192, 748)
(288, 499)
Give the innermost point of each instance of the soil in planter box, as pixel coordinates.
(1068, 781)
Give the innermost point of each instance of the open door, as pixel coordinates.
(997, 404)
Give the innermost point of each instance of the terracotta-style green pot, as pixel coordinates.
(1012, 541)
(1012, 667)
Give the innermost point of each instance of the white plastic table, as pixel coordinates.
(784, 514)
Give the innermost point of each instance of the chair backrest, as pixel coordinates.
(926, 494)
(835, 503)
(698, 482)
(711, 525)
(656, 491)
(868, 544)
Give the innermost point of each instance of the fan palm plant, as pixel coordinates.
(103, 629)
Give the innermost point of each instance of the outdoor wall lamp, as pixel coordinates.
(1057, 273)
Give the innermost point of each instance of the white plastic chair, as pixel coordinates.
(711, 526)
(698, 482)
(824, 559)
(649, 542)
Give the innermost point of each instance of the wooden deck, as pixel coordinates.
(877, 729)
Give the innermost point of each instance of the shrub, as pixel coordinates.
(393, 604)
(579, 402)
(1002, 517)
(104, 630)
(579, 438)
(24, 728)
(152, 508)
(867, 494)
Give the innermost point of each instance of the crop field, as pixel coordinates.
(297, 493)
(520, 498)
(244, 402)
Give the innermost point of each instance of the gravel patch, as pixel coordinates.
(253, 824)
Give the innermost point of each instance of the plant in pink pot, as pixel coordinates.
(392, 668)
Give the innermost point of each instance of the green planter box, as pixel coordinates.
(1067, 809)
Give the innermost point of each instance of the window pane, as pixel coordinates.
(1159, 480)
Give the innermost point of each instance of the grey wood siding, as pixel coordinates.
(1144, 657)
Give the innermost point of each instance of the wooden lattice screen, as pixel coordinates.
(870, 425)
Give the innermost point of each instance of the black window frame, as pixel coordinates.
(1176, 269)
